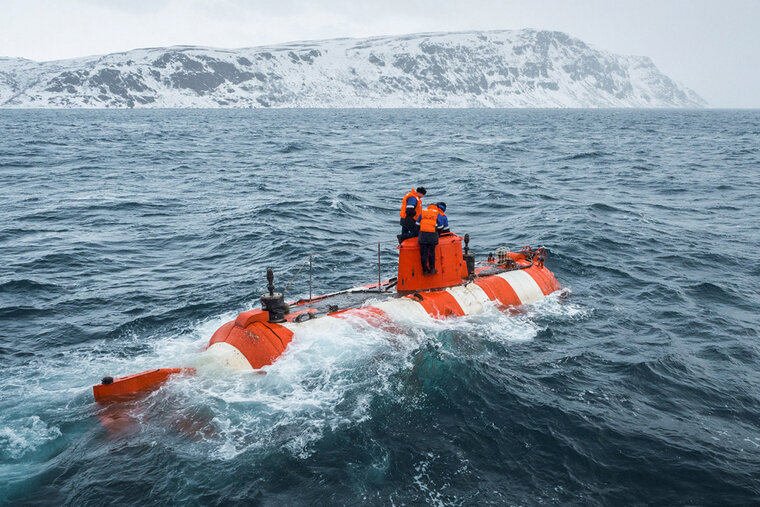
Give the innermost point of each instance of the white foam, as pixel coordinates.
(58, 386)
(555, 305)
(326, 379)
(494, 325)
(433, 493)
(23, 435)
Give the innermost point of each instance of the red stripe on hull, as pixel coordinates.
(552, 279)
(540, 278)
(439, 305)
(260, 342)
(497, 288)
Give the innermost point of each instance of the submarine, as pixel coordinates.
(461, 286)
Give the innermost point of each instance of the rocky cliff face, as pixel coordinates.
(524, 68)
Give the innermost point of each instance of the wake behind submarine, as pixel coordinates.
(461, 286)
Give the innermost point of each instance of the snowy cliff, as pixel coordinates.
(522, 68)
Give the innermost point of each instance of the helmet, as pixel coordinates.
(441, 205)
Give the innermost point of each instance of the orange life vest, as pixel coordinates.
(429, 219)
(417, 209)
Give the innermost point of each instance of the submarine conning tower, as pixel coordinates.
(450, 263)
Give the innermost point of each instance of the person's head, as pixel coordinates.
(441, 206)
(421, 190)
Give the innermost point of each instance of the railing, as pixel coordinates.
(310, 261)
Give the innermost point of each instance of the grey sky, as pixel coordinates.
(711, 46)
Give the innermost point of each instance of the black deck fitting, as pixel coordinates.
(274, 302)
(270, 279)
(469, 258)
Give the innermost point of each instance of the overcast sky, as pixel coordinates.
(710, 46)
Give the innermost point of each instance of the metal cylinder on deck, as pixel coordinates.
(469, 259)
(274, 302)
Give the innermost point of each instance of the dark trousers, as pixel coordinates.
(427, 256)
(427, 241)
(408, 228)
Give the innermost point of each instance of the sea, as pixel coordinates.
(127, 237)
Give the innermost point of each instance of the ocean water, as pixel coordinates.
(128, 237)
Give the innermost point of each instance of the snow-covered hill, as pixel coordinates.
(523, 68)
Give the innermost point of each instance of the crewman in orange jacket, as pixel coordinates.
(411, 207)
(432, 223)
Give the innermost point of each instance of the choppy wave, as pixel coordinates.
(124, 251)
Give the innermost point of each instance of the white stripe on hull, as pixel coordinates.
(402, 307)
(524, 286)
(470, 297)
(225, 354)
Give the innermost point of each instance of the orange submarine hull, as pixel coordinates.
(256, 338)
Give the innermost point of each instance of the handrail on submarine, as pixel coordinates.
(311, 255)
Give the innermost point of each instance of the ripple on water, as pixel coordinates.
(130, 236)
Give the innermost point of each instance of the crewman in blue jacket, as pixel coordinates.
(432, 223)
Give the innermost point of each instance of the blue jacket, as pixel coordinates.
(442, 224)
